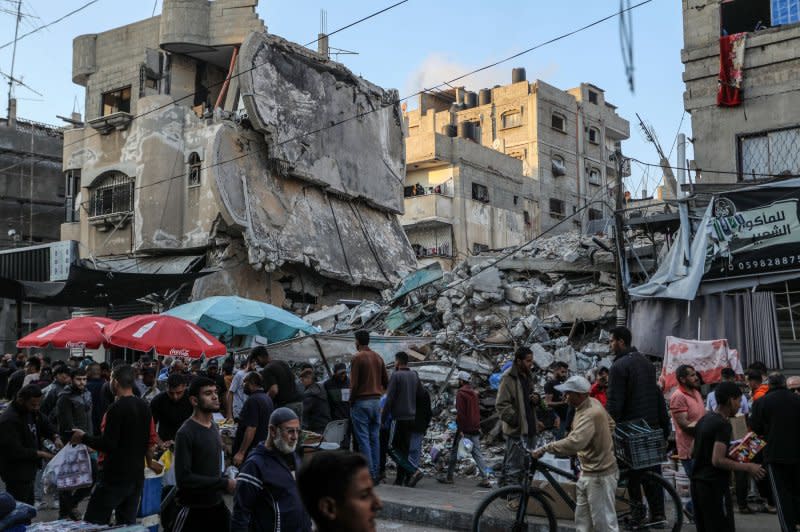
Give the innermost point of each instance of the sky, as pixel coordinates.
(418, 44)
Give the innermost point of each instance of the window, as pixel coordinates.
(194, 169)
(73, 188)
(526, 217)
(516, 200)
(593, 97)
(769, 154)
(559, 122)
(114, 195)
(744, 15)
(556, 208)
(512, 119)
(480, 193)
(594, 214)
(785, 12)
(479, 248)
(595, 177)
(594, 135)
(118, 101)
(558, 166)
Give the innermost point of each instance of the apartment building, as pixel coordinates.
(565, 141)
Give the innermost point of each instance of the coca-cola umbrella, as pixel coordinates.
(85, 332)
(165, 335)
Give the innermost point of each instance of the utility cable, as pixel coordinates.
(45, 26)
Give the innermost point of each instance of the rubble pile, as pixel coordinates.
(555, 295)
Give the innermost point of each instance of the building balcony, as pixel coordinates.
(427, 210)
(617, 127)
(118, 121)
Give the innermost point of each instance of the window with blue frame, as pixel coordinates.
(785, 12)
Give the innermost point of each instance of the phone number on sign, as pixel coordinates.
(756, 264)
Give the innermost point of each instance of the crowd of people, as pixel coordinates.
(584, 415)
(129, 414)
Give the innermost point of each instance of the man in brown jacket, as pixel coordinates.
(368, 381)
(517, 414)
(590, 438)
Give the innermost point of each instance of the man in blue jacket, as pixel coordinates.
(267, 498)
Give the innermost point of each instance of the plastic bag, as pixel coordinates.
(70, 469)
(464, 448)
(168, 461)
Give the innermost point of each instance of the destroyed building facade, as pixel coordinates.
(755, 134)
(564, 139)
(205, 135)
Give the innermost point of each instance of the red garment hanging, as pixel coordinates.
(731, 65)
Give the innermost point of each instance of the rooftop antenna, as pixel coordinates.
(10, 76)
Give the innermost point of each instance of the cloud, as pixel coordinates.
(437, 68)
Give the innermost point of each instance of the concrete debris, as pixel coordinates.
(326, 318)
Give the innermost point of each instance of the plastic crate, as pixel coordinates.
(638, 446)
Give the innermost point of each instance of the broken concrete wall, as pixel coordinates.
(290, 92)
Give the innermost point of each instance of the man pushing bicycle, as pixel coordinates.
(591, 440)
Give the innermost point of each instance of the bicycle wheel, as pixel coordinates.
(500, 512)
(660, 506)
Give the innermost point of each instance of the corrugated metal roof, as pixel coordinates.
(169, 264)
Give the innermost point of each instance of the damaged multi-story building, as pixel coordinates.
(745, 116)
(208, 137)
(564, 144)
(31, 210)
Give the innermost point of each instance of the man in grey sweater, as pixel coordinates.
(198, 465)
(401, 405)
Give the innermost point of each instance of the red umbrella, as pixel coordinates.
(167, 335)
(81, 333)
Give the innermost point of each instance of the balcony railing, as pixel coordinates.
(429, 208)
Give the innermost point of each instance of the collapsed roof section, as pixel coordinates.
(323, 124)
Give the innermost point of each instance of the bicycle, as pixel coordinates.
(508, 508)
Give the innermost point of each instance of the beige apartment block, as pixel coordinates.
(207, 136)
(462, 198)
(565, 141)
(761, 137)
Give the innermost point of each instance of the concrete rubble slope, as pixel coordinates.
(550, 295)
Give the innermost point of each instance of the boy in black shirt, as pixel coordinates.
(199, 465)
(711, 494)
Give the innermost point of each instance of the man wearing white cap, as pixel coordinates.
(591, 440)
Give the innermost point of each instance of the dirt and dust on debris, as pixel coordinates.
(555, 295)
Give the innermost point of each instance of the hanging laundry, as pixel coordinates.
(731, 65)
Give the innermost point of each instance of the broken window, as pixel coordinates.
(594, 135)
(770, 154)
(744, 15)
(558, 166)
(118, 101)
(593, 97)
(194, 169)
(594, 214)
(526, 217)
(479, 248)
(556, 208)
(512, 119)
(559, 122)
(114, 195)
(480, 193)
(595, 176)
(73, 188)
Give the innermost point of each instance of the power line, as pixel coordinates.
(45, 26)
(236, 75)
(380, 108)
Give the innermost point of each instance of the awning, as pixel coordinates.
(91, 287)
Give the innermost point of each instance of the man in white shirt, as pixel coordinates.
(728, 375)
